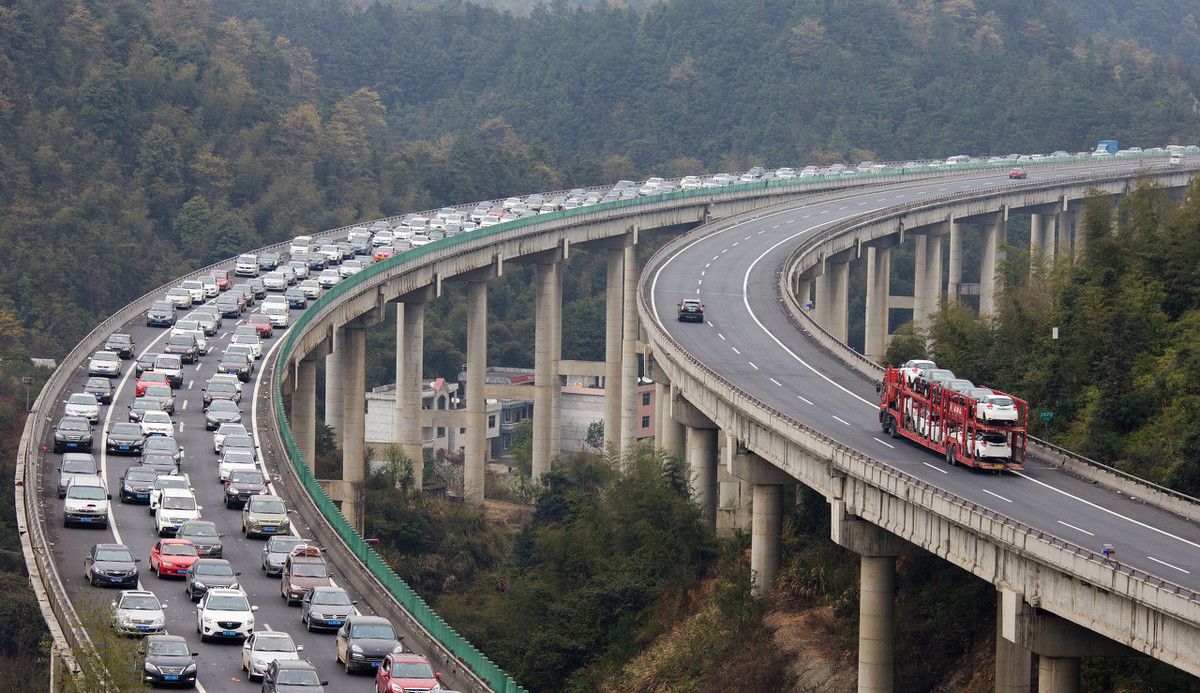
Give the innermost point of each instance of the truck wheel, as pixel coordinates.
(952, 456)
(892, 428)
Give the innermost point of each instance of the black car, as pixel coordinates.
(161, 314)
(325, 608)
(136, 483)
(296, 298)
(165, 445)
(168, 661)
(120, 343)
(163, 394)
(204, 536)
(184, 345)
(219, 412)
(141, 405)
(363, 641)
(101, 388)
(276, 551)
(126, 438)
(111, 565)
(160, 462)
(220, 389)
(268, 261)
(292, 676)
(73, 433)
(208, 572)
(317, 261)
(691, 310)
(229, 306)
(241, 485)
(257, 287)
(144, 363)
(237, 364)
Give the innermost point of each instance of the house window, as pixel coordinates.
(492, 421)
(441, 431)
(645, 422)
(645, 399)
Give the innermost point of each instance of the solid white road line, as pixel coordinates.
(885, 443)
(1185, 572)
(936, 469)
(997, 495)
(1077, 529)
(840, 419)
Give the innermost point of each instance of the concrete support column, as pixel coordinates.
(613, 324)
(876, 623)
(1014, 673)
(839, 299)
(879, 272)
(1080, 240)
(804, 291)
(821, 300)
(1041, 236)
(354, 411)
(556, 354)
(927, 280)
(955, 268)
(673, 436)
(544, 365)
(333, 388)
(1065, 220)
(1058, 674)
(989, 261)
(410, 356)
(304, 410)
(629, 361)
(476, 414)
(702, 463)
(765, 526)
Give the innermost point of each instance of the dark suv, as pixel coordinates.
(242, 485)
(691, 310)
(120, 343)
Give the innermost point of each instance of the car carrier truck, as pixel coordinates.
(988, 433)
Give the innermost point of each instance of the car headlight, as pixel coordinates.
(398, 648)
(209, 621)
(201, 585)
(356, 648)
(250, 621)
(152, 669)
(189, 668)
(166, 564)
(234, 585)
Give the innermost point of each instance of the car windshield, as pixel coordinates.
(178, 550)
(247, 477)
(228, 602)
(995, 438)
(161, 306)
(239, 456)
(81, 399)
(222, 387)
(168, 361)
(158, 391)
(114, 555)
(157, 417)
(78, 467)
(274, 643)
(1000, 401)
(141, 602)
(73, 424)
(331, 598)
(412, 670)
(239, 441)
(223, 405)
(180, 340)
(179, 503)
(159, 460)
(169, 648)
(87, 493)
(218, 569)
(165, 445)
(374, 631)
(284, 544)
(163, 482)
(298, 677)
(270, 507)
(98, 382)
(146, 405)
(105, 356)
(199, 530)
(313, 570)
(140, 475)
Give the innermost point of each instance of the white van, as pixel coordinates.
(247, 266)
(300, 244)
(958, 159)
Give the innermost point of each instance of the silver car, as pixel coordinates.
(106, 363)
(138, 612)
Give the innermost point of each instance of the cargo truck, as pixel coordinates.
(986, 432)
(1109, 146)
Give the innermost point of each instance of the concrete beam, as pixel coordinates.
(861, 536)
(1046, 634)
(593, 369)
(901, 302)
(518, 393)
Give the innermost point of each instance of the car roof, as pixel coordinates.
(364, 618)
(176, 540)
(295, 664)
(137, 593)
(110, 546)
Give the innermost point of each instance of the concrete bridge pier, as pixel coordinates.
(354, 398)
(672, 436)
(954, 280)
(927, 273)
(1065, 221)
(838, 297)
(1042, 232)
(877, 549)
(410, 356)
(613, 323)
(547, 297)
(766, 483)
(700, 451)
(629, 359)
(879, 277)
(304, 410)
(1014, 664)
(995, 228)
(333, 388)
(474, 463)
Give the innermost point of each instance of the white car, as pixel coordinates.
(211, 288)
(224, 613)
(996, 408)
(300, 269)
(228, 378)
(251, 340)
(86, 502)
(175, 507)
(277, 314)
(195, 288)
(235, 460)
(82, 404)
(180, 298)
(275, 281)
(158, 423)
(106, 363)
(138, 612)
(994, 445)
(300, 244)
(167, 483)
(349, 268)
(224, 430)
(247, 266)
(911, 368)
(689, 183)
(311, 289)
(382, 238)
(328, 278)
(785, 173)
(264, 647)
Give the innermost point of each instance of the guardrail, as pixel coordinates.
(1092, 470)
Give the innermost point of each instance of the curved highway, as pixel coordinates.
(749, 339)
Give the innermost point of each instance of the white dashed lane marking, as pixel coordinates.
(735, 350)
(777, 382)
(1077, 529)
(936, 469)
(997, 495)
(1185, 572)
(804, 399)
(752, 365)
(885, 443)
(841, 419)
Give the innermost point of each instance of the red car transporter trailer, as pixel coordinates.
(949, 423)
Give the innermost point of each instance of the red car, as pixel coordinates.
(1017, 173)
(383, 252)
(406, 671)
(262, 323)
(224, 279)
(149, 378)
(172, 557)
